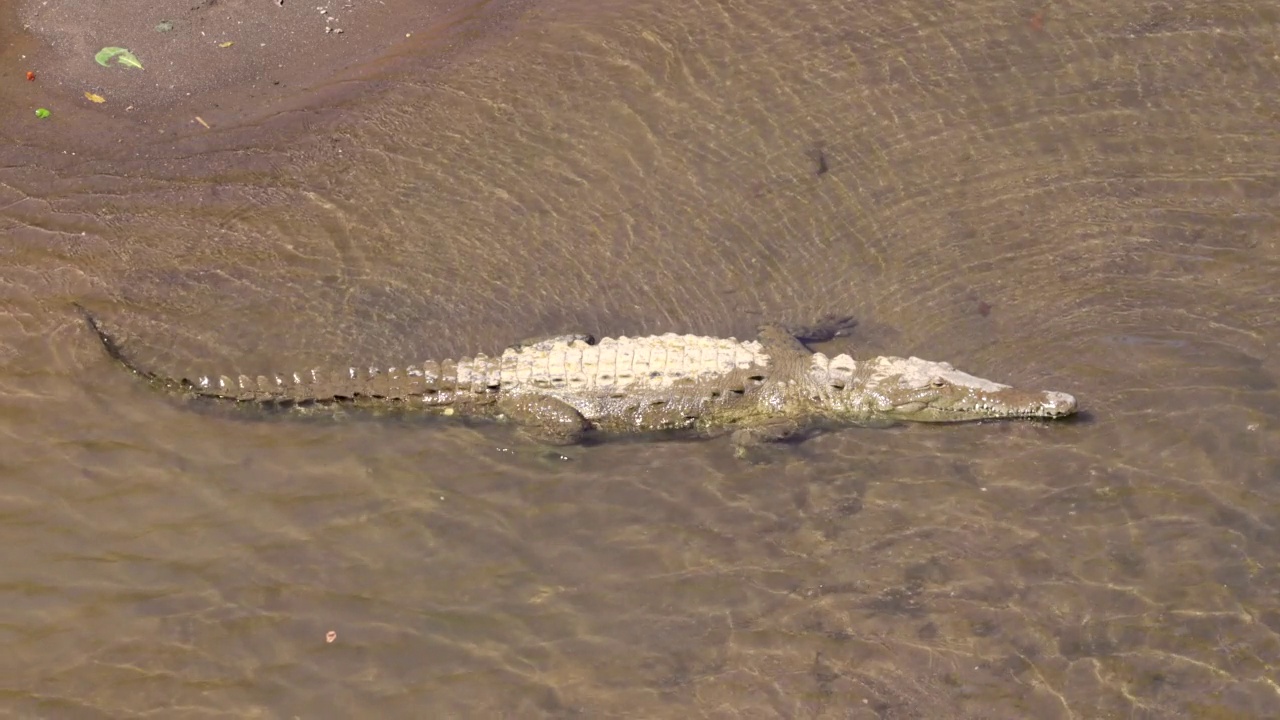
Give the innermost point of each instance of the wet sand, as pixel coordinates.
(212, 65)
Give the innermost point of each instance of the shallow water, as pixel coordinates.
(1085, 200)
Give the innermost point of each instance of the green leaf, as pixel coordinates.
(42, 113)
(119, 54)
(127, 59)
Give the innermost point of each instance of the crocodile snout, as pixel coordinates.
(1058, 404)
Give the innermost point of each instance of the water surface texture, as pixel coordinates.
(1083, 197)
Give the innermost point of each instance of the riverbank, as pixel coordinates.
(212, 65)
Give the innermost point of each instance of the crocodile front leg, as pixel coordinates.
(546, 419)
(767, 432)
(749, 437)
(827, 327)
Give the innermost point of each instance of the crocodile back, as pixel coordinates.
(624, 364)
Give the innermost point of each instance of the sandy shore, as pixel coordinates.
(210, 64)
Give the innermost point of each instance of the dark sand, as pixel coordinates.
(280, 59)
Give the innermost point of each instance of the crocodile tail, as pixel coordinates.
(433, 384)
(113, 350)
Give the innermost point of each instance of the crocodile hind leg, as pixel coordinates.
(547, 342)
(546, 419)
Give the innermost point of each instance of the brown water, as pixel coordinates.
(1077, 197)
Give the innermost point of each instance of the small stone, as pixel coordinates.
(164, 26)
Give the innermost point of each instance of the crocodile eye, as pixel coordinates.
(938, 383)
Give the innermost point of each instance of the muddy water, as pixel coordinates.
(1081, 198)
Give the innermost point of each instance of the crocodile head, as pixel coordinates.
(925, 391)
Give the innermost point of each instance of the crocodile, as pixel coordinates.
(570, 388)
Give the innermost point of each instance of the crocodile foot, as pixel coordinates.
(827, 327)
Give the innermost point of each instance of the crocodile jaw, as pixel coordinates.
(919, 390)
(984, 405)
